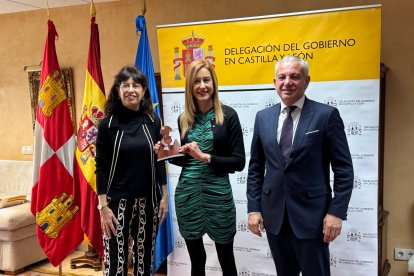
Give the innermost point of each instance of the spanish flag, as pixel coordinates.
(92, 113)
(52, 200)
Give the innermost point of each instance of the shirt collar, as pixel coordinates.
(299, 104)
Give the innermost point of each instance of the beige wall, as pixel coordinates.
(22, 38)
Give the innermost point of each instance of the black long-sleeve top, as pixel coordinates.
(126, 164)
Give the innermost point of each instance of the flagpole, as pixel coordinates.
(60, 269)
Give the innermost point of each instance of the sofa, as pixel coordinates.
(18, 242)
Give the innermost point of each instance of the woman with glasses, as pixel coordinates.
(128, 175)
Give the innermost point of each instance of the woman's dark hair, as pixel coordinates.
(114, 102)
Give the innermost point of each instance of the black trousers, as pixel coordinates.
(292, 255)
(138, 225)
(198, 257)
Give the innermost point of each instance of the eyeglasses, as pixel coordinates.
(126, 86)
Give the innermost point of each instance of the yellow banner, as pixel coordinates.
(244, 52)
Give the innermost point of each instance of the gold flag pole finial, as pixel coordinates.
(144, 10)
(92, 10)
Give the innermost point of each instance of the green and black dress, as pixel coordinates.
(204, 200)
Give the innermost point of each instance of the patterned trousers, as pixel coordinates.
(137, 229)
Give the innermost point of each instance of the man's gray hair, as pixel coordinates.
(305, 65)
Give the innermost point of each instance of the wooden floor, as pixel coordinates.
(44, 268)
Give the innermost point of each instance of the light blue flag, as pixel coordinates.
(164, 244)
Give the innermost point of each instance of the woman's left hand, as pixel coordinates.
(163, 211)
(195, 152)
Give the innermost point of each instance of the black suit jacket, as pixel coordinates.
(301, 184)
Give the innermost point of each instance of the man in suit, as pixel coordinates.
(288, 186)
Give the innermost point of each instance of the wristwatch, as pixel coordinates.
(209, 159)
(100, 207)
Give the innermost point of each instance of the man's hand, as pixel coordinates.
(331, 228)
(255, 223)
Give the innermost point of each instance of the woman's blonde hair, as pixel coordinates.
(188, 116)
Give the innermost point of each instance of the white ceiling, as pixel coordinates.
(11, 6)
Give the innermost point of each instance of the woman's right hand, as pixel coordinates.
(108, 222)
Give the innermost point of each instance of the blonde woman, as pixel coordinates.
(212, 140)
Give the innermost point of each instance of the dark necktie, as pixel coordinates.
(285, 142)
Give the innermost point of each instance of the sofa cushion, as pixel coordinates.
(15, 217)
(7, 200)
(16, 177)
(18, 234)
(21, 253)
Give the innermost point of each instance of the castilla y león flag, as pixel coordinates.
(92, 113)
(52, 201)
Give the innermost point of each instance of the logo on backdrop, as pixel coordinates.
(179, 242)
(241, 178)
(354, 129)
(244, 272)
(357, 182)
(192, 51)
(176, 108)
(331, 101)
(242, 226)
(269, 254)
(333, 261)
(338, 262)
(353, 235)
(246, 130)
(360, 183)
(270, 102)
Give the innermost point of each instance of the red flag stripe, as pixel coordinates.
(94, 56)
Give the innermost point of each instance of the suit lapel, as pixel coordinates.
(303, 124)
(275, 125)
